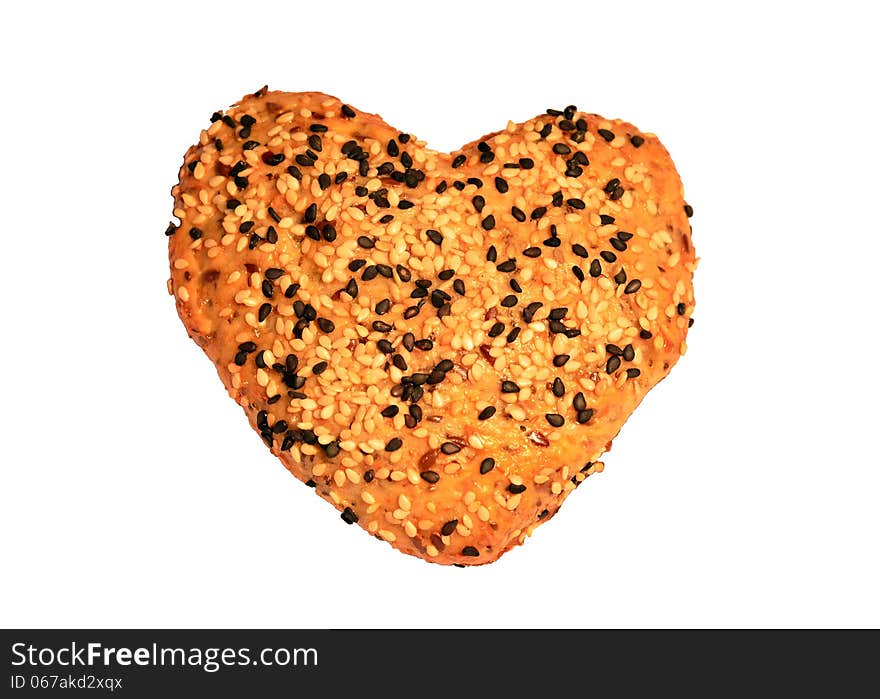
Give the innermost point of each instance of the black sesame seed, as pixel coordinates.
(381, 326)
(195, 233)
(688, 210)
(319, 368)
(430, 476)
(264, 312)
(629, 353)
(366, 242)
(579, 250)
(612, 365)
(516, 489)
(311, 213)
(637, 141)
(294, 172)
(606, 219)
(514, 284)
(538, 213)
(509, 387)
(575, 203)
(512, 335)
(470, 551)
(633, 286)
(518, 214)
(526, 163)
(617, 244)
(404, 273)
(486, 465)
(458, 287)
(507, 266)
(458, 161)
(348, 112)
(434, 236)
(595, 268)
(566, 125)
(561, 359)
(394, 444)
(545, 130)
(509, 301)
(486, 412)
(552, 242)
(584, 416)
(530, 310)
(348, 516)
(645, 334)
(479, 202)
(606, 134)
(632, 373)
(488, 223)
(532, 252)
(290, 291)
(579, 403)
(608, 256)
(561, 149)
(558, 387)
(450, 448)
(390, 411)
(680, 309)
(449, 527)
(624, 235)
(613, 350)
(555, 419)
(501, 185)
(620, 277)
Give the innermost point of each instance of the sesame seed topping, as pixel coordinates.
(486, 465)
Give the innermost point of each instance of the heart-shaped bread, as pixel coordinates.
(441, 345)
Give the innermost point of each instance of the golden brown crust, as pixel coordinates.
(315, 347)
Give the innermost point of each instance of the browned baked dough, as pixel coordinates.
(442, 345)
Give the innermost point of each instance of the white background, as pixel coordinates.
(742, 493)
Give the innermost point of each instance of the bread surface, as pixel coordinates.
(441, 345)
